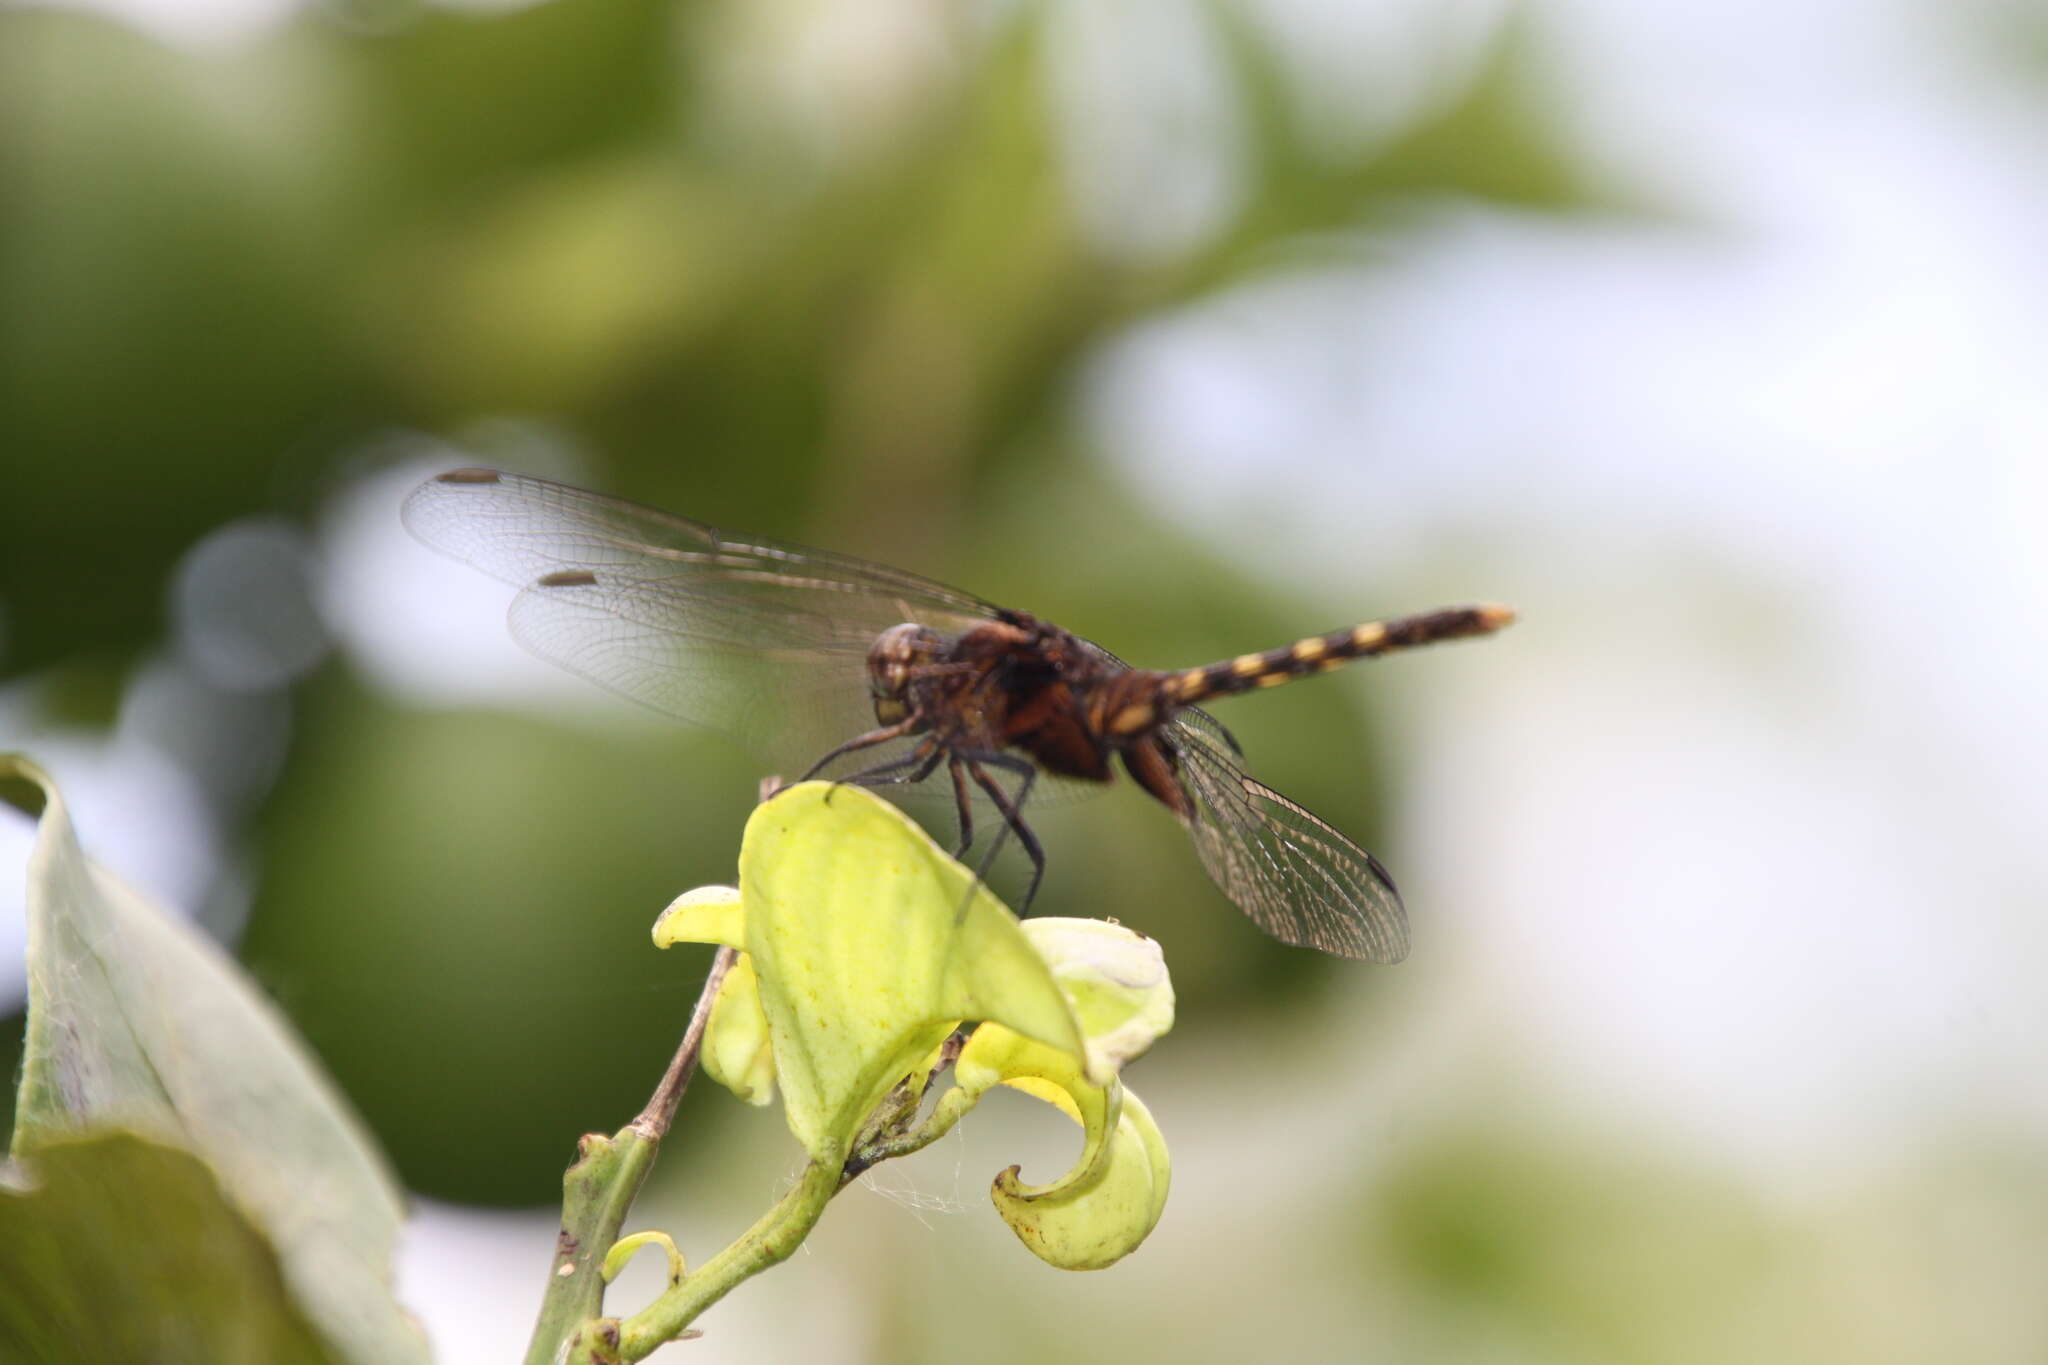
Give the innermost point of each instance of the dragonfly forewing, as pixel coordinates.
(755, 638)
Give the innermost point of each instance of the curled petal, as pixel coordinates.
(996, 1055)
(623, 1250)
(1097, 1223)
(710, 914)
(1102, 1208)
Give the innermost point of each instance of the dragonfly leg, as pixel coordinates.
(866, 741)
(930, 764)
(961, 803)
(1012, 808)
(925, 758)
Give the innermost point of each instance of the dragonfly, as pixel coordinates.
(851, 670)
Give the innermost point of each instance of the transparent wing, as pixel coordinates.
(1298, 878)
(761, 639)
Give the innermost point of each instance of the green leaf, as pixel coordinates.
(127, 1250)
(138, 1022)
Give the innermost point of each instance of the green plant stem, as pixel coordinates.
(597, 1192)
(947, 1112)
(769, 1242)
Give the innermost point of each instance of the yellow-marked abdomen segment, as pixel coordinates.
(1133, 718)
(1320, 653)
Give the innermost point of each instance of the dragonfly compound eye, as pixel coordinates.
(896, 651)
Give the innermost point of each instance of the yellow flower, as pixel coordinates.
(864, 946)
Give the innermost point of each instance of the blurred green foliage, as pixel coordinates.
(457, 914)
(227, 271)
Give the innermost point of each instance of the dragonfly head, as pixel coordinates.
(891, 664)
